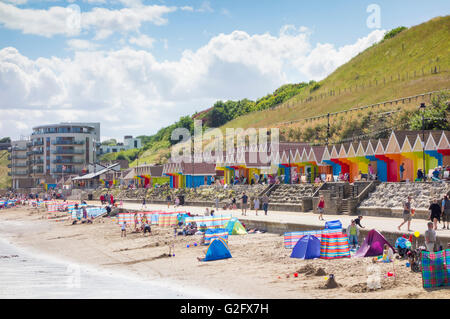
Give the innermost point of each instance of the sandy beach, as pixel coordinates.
(260, 267)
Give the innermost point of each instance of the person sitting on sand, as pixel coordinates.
(388, 254)
(203, 239)
(136, 222)
(124, 230)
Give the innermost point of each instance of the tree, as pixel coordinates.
(110, 142)
(436, 115)
(5, 140)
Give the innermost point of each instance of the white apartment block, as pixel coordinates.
(128, 143)
(53, 150)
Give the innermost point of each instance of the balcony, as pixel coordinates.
(67, 161)
(19, 149)
(38, 161)
(67, 142)
(67, 171)
(18, 173)
(18, 165)
(17, 157)
(37, 152)
(61, 151)
(37, 171)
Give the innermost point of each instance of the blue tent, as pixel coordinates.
(334, 224)
(218, 249)
(307, 247)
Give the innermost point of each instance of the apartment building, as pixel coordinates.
(128, 143)
(52, 151)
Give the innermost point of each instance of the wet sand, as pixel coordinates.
(260, 267)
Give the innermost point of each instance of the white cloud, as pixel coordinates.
(325, 58)
(187, 8)
(78, 44)
(16, 2)
(131, 87)
(60, 20)
(143, 41)
(205, 7)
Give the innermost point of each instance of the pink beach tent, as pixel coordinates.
(373, 245)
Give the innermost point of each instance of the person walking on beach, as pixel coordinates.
(402, 170)
(124, 230)
(358, 221)
(321, 207)
(265, 201)
(445, 211)
(144, 206)
(256, 205)
(169, 199)
(217, 203)
(407, 216)
(244, 200)
(430, 237)
(435, 213)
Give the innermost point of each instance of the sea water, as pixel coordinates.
(25, 274)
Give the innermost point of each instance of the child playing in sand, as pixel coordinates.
(388, 254)
(147, 228)
(124, 230)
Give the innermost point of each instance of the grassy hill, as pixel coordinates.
(415, 61)
(5, 180)
(406, 63)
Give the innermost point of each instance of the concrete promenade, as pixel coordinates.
(280, 222)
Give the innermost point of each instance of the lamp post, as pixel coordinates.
(422, 109)
(290, 168)
(328, 127)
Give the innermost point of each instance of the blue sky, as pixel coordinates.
(143, 64)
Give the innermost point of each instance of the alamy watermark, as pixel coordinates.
(73, 19)
(73, 280)
(374, 19)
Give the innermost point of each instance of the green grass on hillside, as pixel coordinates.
(421, 47)
(5, 180)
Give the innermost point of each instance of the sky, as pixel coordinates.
(136, 66)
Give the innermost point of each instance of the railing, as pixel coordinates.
(18, 173)
(68, 152)
(38, 143)
(72, 161)
(18, 157)
(72, 171)
(38, 152)
(67, 142)
(19, 165)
